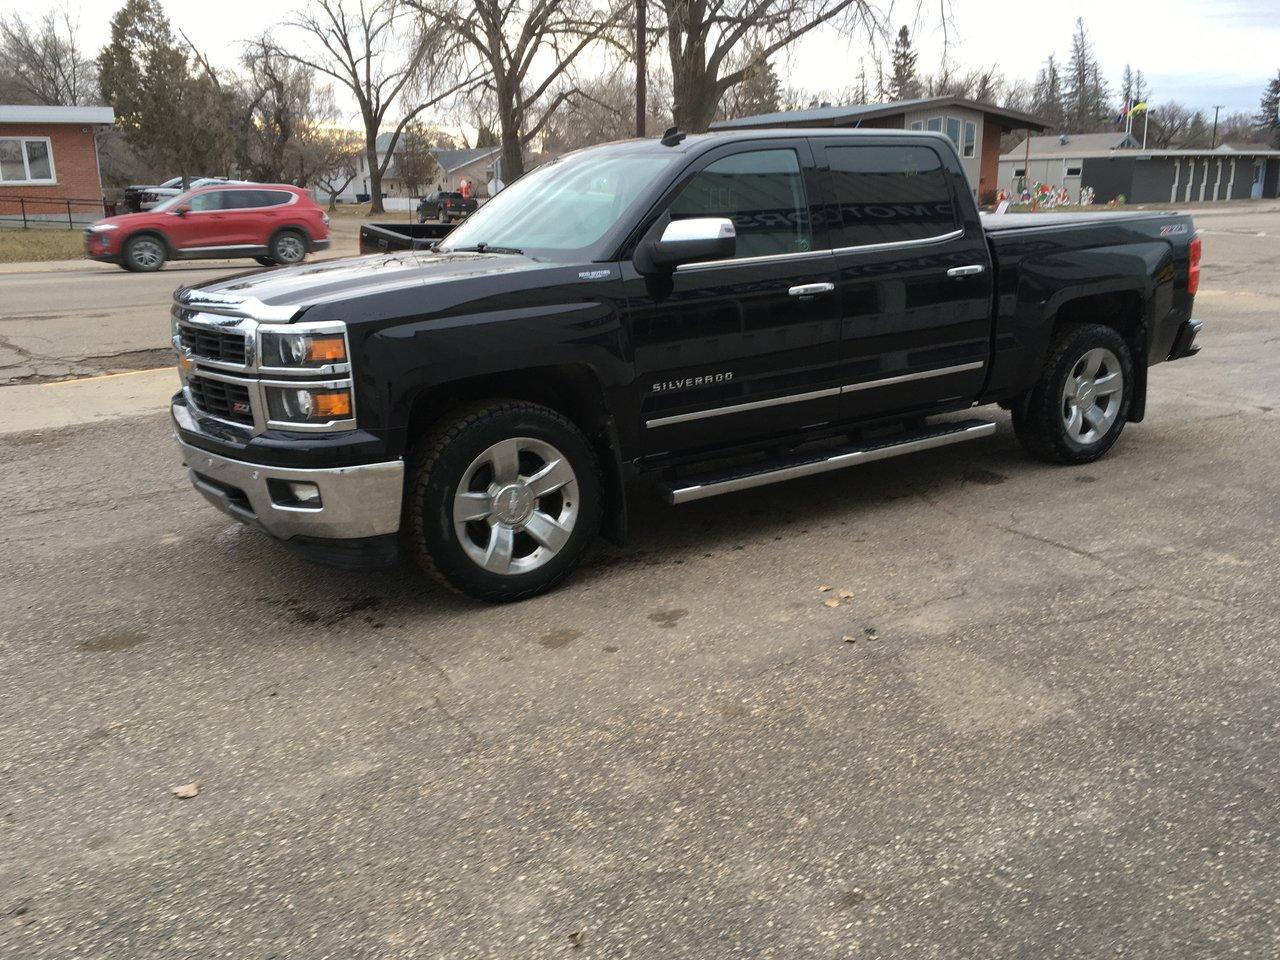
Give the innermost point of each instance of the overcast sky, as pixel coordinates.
(1199, 52)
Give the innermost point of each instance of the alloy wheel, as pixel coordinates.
(1092, 395)
(515, 506)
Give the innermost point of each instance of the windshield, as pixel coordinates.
(171, 202)
(562, 209)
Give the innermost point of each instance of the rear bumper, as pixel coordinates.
(356, 503)
(1184, 344)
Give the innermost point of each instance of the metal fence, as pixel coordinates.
(53, 212)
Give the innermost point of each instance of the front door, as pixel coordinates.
(913, 278)
(742, 349)
(203, 225)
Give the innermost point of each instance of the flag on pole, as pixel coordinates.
(1124, 112)
(1138, 107)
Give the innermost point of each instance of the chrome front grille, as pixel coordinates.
(212, 343)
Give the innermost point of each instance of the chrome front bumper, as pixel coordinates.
(356, 502)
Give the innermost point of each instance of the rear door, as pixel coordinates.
(741, 349)
(913, 276)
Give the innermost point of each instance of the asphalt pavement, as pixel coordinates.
(1040, 720)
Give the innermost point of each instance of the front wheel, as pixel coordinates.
(503, 500)
(144, 254)
(1078, 407)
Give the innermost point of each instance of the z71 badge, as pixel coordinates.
(1173, 229)
(665, 386)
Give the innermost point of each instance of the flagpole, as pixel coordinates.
(1146, 122)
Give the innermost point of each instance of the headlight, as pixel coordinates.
(103, 227)
(308, 404)
(303, 349)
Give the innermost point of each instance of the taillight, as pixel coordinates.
(1193, 273)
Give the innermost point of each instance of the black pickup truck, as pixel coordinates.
(706, 313)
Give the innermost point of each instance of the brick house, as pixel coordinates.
(48, 157)
(975, 128)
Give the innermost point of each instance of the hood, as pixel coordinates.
(289, 290)
(126, 220)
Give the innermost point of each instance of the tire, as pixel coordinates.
(265, 261)
(144, 253)
(474, 516)
(287, 248)
(1077, 409)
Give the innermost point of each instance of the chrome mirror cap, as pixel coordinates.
(698, 228)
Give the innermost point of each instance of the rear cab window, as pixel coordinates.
(889, 194)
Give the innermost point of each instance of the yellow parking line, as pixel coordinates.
(106, 376)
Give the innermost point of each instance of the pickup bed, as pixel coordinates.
(704, 314)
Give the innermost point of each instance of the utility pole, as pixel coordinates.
(1216, 108)
(640, 68)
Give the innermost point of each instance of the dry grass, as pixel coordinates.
(23, 246)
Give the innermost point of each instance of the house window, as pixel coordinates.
(1073, 171)
(26, 160)
(935, 123)
(953, 131)
(1019, 171)
(916, 125)
(970, 139)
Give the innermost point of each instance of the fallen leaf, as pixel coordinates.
(831, 603)
(846, 594)
(187, 790)
(847, 639)
(871, 633)
(575, 939)
(824, 588)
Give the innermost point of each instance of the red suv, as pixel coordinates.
(271, 222)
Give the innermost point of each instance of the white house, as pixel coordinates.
(477, 164)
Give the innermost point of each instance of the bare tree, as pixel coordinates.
(387, 58)
(527, 49)
(339, 161)
(43, 62)
(703, 35)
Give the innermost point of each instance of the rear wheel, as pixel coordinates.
(1080, 404)
(288, 247)
(265, 261)
(144, 254)
(503, 500)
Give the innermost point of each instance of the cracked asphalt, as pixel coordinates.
(1052, 731)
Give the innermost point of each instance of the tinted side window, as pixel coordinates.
(270, 198)
(887, 194)
(762, 192)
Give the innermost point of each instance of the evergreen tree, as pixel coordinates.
(903, 83)
(1085, 93)
(178, 117)
(1268, 117)
(1046, 97)
(760, 91)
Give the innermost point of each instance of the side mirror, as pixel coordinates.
(181, 210)
(672, 243)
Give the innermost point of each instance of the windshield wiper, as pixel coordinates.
(486, 248)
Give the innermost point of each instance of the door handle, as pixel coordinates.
(811, 289)
(971, 270)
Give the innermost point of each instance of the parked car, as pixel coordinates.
(271, 222)
(707, 314)
(446, 207)
(381, 237)
(139, 198)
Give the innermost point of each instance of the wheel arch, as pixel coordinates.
(292, 228)
(1124, 310)
(574, 390)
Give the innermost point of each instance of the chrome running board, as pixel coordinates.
(757, 474)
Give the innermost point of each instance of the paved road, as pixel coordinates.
(1055, 734)
(81, 318)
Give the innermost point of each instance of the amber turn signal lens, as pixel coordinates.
(329, 349)
(332, 405)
